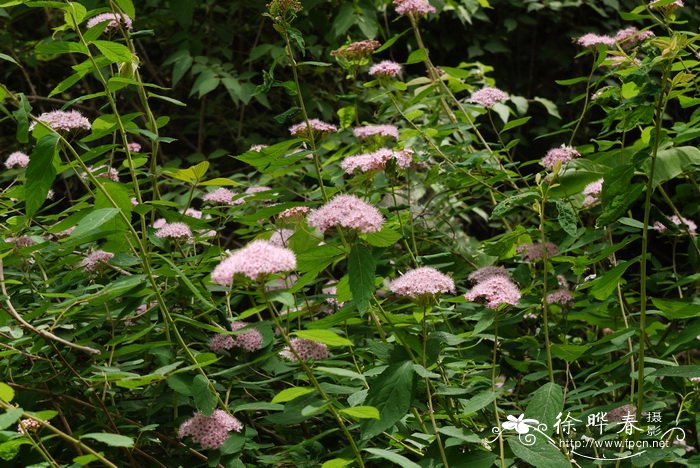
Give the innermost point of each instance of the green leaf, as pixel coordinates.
(546, 403)
(323, 336)
(391, 392)
(514, 123)
(181, 383)
(672, 162)
(204, 398)
(10, 417)
(337, 463)
(393, 457)
(477, 402)
(8, 58)
(677, 371)
(60, 47)
(113, 440)
(93, 221)
(550, 106)
(417, 56)
(618, 194)
(21, 115)
(603, 287)
(289, 394)
(115, 52)
(569, 352)
(7, 393)
(127, 6)
(676, 309)
(361, 267)
(361, 412)
(541, 454)
(384, 238)
(40, 173)
(513, 202)
(567, 217)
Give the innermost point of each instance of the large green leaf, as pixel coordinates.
(618, 194)
(114, 51)
(393, 457)
(114, 440)
(40, 173)
(672, 162)
(361, 267)
(93, 221)
(7, 393)
(391, 392)
(541, 454)
(9, 417)
(323, 336)
(546, 403)
(204, 398)
(289, 394)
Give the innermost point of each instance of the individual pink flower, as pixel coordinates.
(593, 40)
(367, 162)
(296, 212)
(222, 196)
(357, 50)
(628, 37)
(561, 296)
(256, 259)
(531, 252)
(488, 97)
(301, 129)
(561, 154)
(133, 147)
(63, 120)
(114, 20)
(415, 7)
(134, 202)
(385, 68)
(404, 158)
(17, 159)
(305, 349)
(96, 259)
(104, 171)
(423, 281)
(684, 224)
(210, 431)
(495, 290)
(159, 223)
(174, 231)
(346, 211)
(372, 130)
(592, 193)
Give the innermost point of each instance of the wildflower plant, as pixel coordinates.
(358, 248)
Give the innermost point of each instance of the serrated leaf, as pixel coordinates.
(93, 221)
(391, 392)
(204, 398)
(540, 455)
(323, 336)
(677, 371)
(515, 123)
(569, 352)
(289, 394)
(10, 417)
(114, 52)
(113, 440)
(40, 173)
(672, 162)
(567, 217)
(384, 238)
(361, 267)
(417, 56)
(546, 403)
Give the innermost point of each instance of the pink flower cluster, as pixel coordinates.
(174, 231)
(28, 425)
(630, 36)
(256, 259)
(250, 340)
(305, 349)
(560, 296)
(17, 159)
(104, 171)
(114, 20)
(561, 154)
(296, 212)
(488, 97)
(62, 120)
(493, 286)
(423, 281)
(385, 68)
(404, 158)
(592, 193)
(97, 258)
(222, 196)
(357, 50)
(133, 147)
(346, 211)
(210, 431)
(372, 130)
(415, 7)
(593, 40)
(531, 252)
(331, 291)
(319, 126)
(684, 224)
(367, 161)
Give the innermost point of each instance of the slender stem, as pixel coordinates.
(585, 101)
(545, 274)
(660, 109)
(494, 365)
